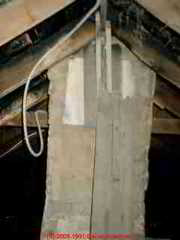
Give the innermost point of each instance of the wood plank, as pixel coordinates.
(159, 126)
(166, 126)
(20, 15)
(170, 103)
(17, 121)
(70, 161)
(8, 117)
(122, 141)
(69, 179)
(167, 97)
(150, 56)
(14, 74)
(118, 184)
(90, 84)
(167, 11)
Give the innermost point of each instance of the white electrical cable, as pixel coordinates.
(37, 154)
(13, 148)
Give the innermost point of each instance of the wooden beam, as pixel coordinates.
(14, 74)
(145, 46)
(170, 103)
(19, 16)
(166, 126)
(14, 117)
(159, 126)
(17, 121)
(150, 56)
(167, 97)
(167, 11)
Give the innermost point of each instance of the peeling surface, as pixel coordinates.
(74, 101)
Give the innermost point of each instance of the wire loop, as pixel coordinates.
(37, 154)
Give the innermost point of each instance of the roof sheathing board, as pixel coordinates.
(19, 16)
(165, 10)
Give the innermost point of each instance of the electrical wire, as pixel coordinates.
(18, 144)
(65, 38)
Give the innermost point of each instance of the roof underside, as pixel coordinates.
(167, 11)
(20, 15)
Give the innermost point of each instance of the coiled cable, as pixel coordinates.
(65, 38)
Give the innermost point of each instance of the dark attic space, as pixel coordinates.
(22, 184)
(23, 177)
(162, 198)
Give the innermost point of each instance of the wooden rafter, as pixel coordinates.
(150, 56)
(14, 74)
(20, 15)
(167, 11)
